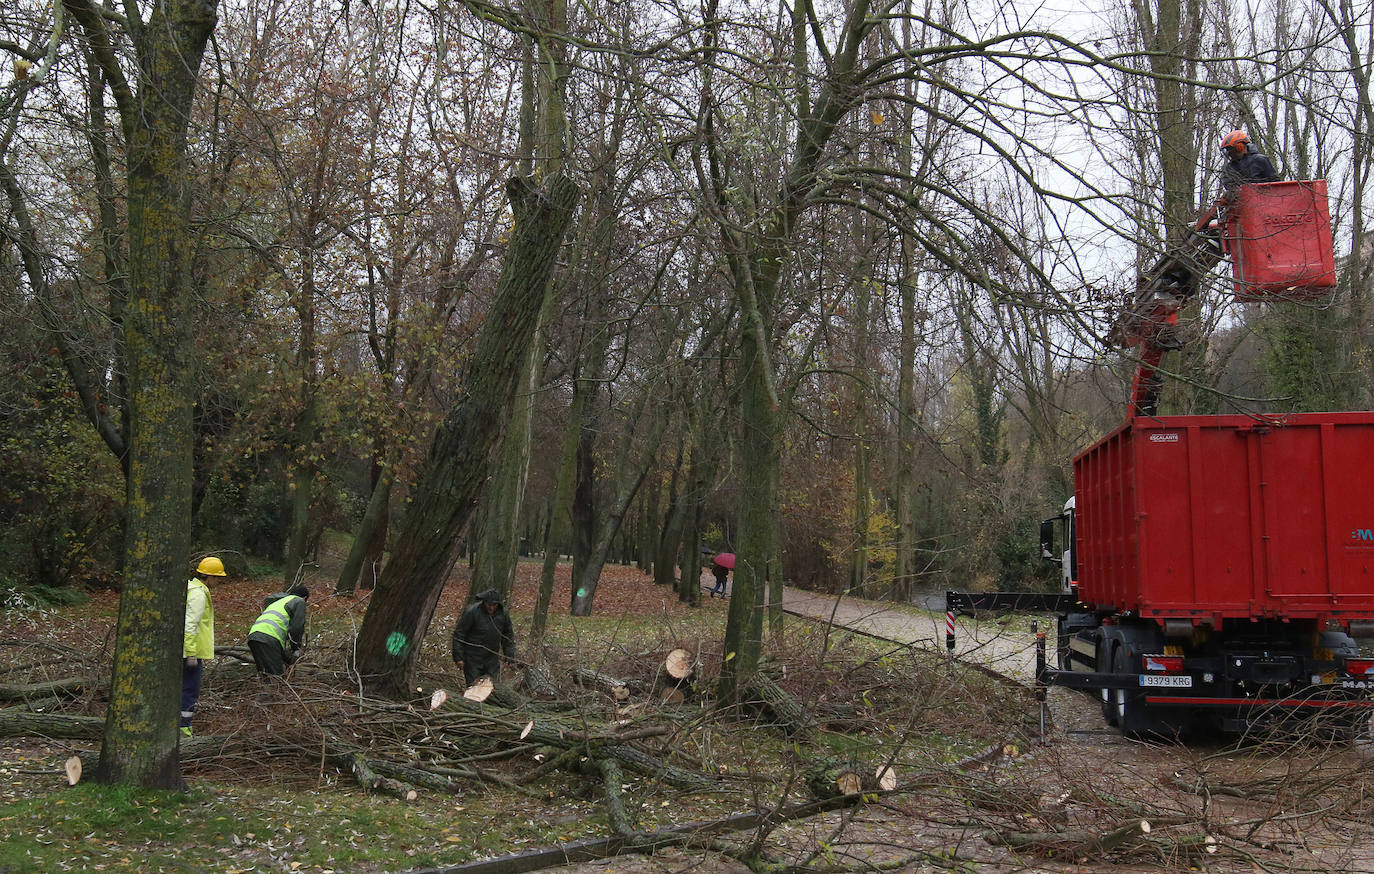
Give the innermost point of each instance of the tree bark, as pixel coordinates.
(584, 585)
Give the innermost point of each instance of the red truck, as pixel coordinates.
(1218, 569)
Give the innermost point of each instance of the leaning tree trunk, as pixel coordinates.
(498, 547)
(365, 538)
(140, 745)
(460, 458)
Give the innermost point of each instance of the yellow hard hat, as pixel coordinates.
(211, 567)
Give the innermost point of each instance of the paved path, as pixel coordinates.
(1008, 646)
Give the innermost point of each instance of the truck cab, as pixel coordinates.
(1057, 545)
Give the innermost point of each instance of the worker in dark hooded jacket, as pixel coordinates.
(1245, 163)
(276, 637)
(482, 635)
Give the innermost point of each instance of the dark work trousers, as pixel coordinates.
(267, 655)
(190, 691)
(480, 663)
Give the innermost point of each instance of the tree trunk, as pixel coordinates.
(560, 520)
(300, 475)
(460, 458)
(760, 442)
(367, 536)
(584, 513)
(141, 735)
(584, 584)
(858, 565)
(499, 545)
(670, 535)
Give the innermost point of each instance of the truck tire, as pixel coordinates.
(1105, 650)
(1127, 704)
(1132, 715)
(1353, 726)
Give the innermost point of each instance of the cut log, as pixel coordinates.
(73, 769)
(540, 683)
(672, 695)
(836, 776)
(886, 778)
(480, 690)
(768, 699)
(24, 723)
(52, 688)
(591, 679)
(833, 778)
(1078, 843)
(371, 781)
(679, 666)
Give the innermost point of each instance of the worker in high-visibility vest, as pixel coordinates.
(198, 639)
(276, 637)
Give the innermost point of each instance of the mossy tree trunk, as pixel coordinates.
(140, 745)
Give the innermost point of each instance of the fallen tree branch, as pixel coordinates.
(71, 686)
(18, 722)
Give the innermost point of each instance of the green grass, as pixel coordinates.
(246, 828)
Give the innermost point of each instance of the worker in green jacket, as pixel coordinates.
(198, 640)
(275, 638)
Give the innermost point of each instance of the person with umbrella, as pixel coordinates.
(721, 566)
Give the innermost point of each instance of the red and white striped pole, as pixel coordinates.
(949, 639)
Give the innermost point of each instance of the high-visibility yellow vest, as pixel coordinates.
(274, 621)
(199, 633)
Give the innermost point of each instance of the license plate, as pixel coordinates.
(1172, 680)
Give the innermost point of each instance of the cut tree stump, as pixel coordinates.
(674, 681)
(836, 777)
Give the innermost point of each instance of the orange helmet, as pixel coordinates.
(1234, 144)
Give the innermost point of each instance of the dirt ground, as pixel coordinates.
(1284, 805)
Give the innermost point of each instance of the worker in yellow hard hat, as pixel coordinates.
(198, 644)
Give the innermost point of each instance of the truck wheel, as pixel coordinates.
(1129, 704)
(1104, 664)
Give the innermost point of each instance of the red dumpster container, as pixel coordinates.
(1279, 237)
(1215, 518)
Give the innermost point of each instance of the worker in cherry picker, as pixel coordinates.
(1245, 163)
